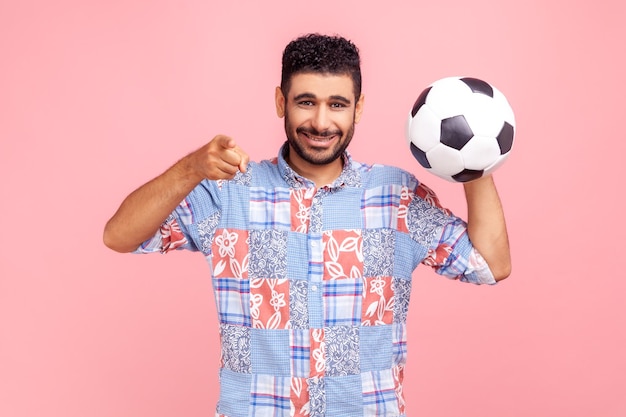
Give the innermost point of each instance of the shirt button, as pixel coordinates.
(313, 287)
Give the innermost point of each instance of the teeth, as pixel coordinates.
(320, 139)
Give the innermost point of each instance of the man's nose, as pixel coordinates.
(321, 119)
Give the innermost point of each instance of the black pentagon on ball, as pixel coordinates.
(468, 175)
(505, 138)
(455, 132)
(420, 155)
(478, 86)
(420, 101)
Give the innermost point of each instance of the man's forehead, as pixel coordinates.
(322, 85)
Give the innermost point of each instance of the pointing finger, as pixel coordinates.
(226, 142)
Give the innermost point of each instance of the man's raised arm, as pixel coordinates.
(144, 210)
(486, 225)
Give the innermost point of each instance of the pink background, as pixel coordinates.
(99, 97)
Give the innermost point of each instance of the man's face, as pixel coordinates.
(320, 112)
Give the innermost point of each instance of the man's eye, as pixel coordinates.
(305, 103)
(337, 105)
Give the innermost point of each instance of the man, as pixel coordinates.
(311, 253)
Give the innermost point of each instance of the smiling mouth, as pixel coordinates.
(323, 138)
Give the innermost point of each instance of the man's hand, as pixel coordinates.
(220, 159)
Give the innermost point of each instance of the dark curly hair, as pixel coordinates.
(315, 53)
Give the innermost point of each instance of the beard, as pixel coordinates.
(317, 156)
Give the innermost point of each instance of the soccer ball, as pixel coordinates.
(461, 128)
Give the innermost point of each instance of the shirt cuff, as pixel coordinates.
(478, 271)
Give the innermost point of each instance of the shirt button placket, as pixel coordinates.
(316, 272)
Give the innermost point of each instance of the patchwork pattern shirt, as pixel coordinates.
(312, 284)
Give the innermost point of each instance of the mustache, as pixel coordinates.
(315, 132)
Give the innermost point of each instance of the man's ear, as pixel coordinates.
(280, 102)
(358, 109)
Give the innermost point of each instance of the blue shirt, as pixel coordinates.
(312, 285)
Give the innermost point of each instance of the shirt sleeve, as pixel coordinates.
(453, 256)
(172, 234)
(450, 252)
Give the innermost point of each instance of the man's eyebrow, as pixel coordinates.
(343, 99)
(304, 96)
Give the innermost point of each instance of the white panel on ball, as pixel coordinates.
(479, 106)
(439, 97)
(480, 152)
(503, 106)
(426, 129)
(447, 160)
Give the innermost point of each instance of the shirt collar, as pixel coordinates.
(349, 175)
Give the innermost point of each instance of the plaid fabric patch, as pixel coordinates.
(232, 296)
(316, 258)
(300, 348)
(380, 206)
(270, 208)
(343, 300)
(270, 396)
(379, 394)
